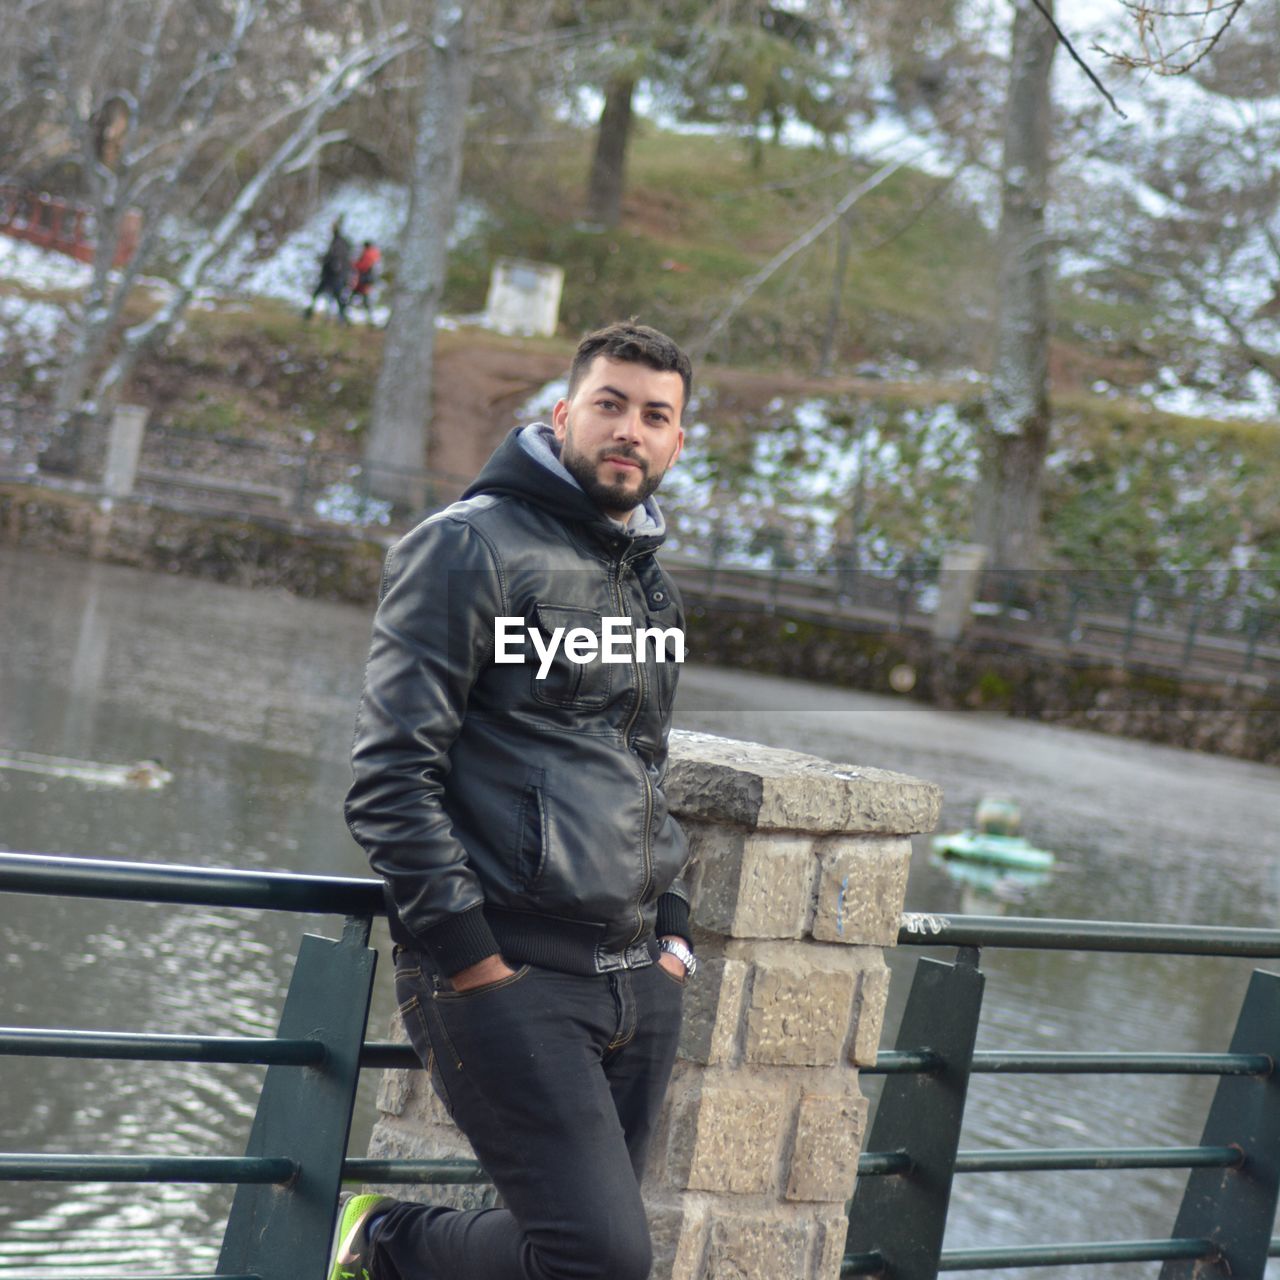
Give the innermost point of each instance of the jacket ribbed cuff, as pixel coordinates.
(460, 940)
(673, 917)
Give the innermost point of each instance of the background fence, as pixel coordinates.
(1211, 624)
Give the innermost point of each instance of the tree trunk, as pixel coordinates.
(395, 450)
(827, 357)
(609, 163)
(1016, 436)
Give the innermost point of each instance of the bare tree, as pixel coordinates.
(1015, 437)
(292, 151)
(1208, 238)
(167, 110)
(396, 444)
(1174, 38)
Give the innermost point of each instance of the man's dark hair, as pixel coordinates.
(636, 343)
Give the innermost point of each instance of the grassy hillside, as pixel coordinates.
(699, 218)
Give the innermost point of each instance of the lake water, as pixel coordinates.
(247, 699)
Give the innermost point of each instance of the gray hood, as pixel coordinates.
(539, 441)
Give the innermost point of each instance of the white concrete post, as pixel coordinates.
(124, 445)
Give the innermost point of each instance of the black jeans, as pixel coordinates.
(557, 1080)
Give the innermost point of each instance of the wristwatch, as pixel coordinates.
(674, 947)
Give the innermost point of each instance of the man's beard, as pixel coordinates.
(619, 496)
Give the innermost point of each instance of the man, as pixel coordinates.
(335, 274)
(509, 758)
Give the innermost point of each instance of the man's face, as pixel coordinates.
(620, 431)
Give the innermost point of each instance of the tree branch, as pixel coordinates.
(1154, 56)
(749, 286)
(1079, 61)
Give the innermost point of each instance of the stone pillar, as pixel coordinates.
(798, 872)
(958, 580)
(124, 444)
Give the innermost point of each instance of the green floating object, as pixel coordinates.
(1004, 851)
(995, 840)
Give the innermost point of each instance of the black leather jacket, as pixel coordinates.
(509, 813)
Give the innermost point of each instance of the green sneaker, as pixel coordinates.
(352, 1255)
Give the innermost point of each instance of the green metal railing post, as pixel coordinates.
(1252, 630)
(306, 1112)
(902, 1218)
(905, 585)
(1075, 598)
(1236, 1208)
(1131, 626)
(1193, 626)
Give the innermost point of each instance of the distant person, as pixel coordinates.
(365, 270)
(335, 274)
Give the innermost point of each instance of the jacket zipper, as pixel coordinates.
(645, 850)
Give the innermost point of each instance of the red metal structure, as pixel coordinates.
(63, 225)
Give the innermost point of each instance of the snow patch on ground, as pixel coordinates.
(32, 326)
(39, 268)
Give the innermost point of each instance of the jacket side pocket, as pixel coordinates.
(531, 830)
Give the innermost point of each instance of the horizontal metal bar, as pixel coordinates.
(33, 1167)
(388, 1054)
(925, 930)
(191, 886)
(862, 1264)
(361, 896)
(873, 1264)
(1184, 1064)
(892, 1062)
(1040, 1159)
(38, 1042)
(1038, 1062)
(880, 1163)
(419, 1172)
(253, 1277)
(1055, 1255)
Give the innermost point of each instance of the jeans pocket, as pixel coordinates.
(473, 993)
(427, 1046)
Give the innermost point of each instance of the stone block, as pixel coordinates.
(798, 1015)
(861, 888)
(756, 1248)
(713, 1011)
(394, 1091)
(833, 1229)
(868, 1010)
(768, 789)
(824, 1160)
(679, 1234)
(727, 1139)
(753, 886)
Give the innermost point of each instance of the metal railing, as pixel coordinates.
(898, 1214)
(297, 1144)
(899, 1207)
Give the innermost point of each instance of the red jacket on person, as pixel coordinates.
(365, 267)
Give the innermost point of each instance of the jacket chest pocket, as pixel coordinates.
(666, 674)
(569, 671)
